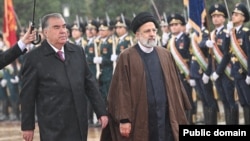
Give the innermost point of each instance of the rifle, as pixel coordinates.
(97, 53)
(156, 10)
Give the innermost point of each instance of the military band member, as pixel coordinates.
(180, 49)
(240, 46)
(200, 70)
(220, 42)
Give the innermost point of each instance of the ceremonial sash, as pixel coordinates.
(219, 55)
(179, 60)
(201, 59)
(240, 54)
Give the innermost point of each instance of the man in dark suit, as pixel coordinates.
(59, 86)
(18, 49)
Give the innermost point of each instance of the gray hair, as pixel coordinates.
(47, 17)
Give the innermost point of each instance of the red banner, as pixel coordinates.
(9, 25)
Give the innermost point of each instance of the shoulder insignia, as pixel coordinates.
(97, 40)
(110, 40)
(127, 38)
(245, 29)
(225, 30)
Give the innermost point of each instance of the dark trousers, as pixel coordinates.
(225, 88)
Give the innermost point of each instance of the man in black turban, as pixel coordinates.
(145, 90)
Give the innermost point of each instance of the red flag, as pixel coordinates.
(9, 24)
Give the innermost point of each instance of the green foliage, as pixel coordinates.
(87, 9)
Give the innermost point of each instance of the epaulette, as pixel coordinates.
(225, 30)
(245, 29)
(127, 38)
(84, 42)
(110, 40)
(97, 40)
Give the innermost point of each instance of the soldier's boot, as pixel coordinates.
(5, 111)
(232, 115)
(235, 115)
(246, 111)
(189, 116)
(210, 116)
(17, 111)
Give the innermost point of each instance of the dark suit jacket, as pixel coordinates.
(60, 91)
(10, 55)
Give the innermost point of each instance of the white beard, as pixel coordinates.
(148, 43)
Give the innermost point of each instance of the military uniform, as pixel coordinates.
(4, 96)
(182, 44)
(92, 42)
(79, 40)
(124, 40)
(165, 36)
(204, 89)
(238, 72)
(224, 83)
(13, 87)
(106, 65)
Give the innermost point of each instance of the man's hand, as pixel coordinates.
(28, 36)
(3, 82)
(230, 26)
(28, 135)
(192, 82)
(210, 43)
(14, 80)
(104, 121)
(113, 57)
(97, 60)
(214, 76)
(248, 80)
(125, 129)
(205, 78)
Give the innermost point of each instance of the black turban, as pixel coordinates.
(142, 18)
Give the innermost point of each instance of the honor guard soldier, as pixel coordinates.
(124, 40)
(91, 34)
(106, 65)
(200, 70)
(78, 31)
(179, 46)
(220, 42)
(165, 33)
(240, 48)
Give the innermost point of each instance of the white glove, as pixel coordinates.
(248, 80)
(210, 43)
(188, 27)
(3, 83)
(205, 78)
(192, 82)
(14, 80)
(97, 60)
(113, 57)
(230, 26)
(214, 76)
